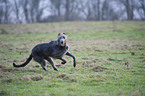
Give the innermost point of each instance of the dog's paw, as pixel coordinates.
(63, 62)
(74, 64)
(55, 69)
(14, 64)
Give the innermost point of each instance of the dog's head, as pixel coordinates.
(62, 39)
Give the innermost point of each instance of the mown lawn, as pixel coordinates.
(110, 59)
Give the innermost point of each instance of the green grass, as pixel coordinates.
(110, 59)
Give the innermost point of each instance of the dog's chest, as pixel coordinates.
(59, 52)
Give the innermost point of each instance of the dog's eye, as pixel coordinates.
(63, 37)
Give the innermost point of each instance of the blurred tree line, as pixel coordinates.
(32, 11)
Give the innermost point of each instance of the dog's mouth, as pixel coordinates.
(62, 43)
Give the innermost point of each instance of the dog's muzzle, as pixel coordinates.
(62, 42)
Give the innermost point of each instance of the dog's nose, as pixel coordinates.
(61, 42)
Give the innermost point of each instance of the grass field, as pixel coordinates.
(110, 59)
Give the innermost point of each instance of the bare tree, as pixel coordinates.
(25, 10)
(129, 8)
(71, 10)
(16, 10)
(56, 7)
(67, 9)
(98, 10)
(86, 9)
(5, 11)
(141, 9)
(1, 11)
(32, 10)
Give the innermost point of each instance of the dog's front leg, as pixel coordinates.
(63, 61)
(74, 59)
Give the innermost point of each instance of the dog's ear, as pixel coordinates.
(58, 34)
(64, 33)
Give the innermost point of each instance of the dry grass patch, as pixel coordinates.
(67, 77)
(33, 77)
(98, 68)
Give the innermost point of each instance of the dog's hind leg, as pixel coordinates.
(41, 61)
(43, 65)
(50, 60)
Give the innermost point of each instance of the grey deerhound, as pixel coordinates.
(54, 49)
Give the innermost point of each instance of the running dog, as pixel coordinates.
(46, 51)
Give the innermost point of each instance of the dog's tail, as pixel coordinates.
(25, 63)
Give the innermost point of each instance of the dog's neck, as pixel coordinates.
(62, 47)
